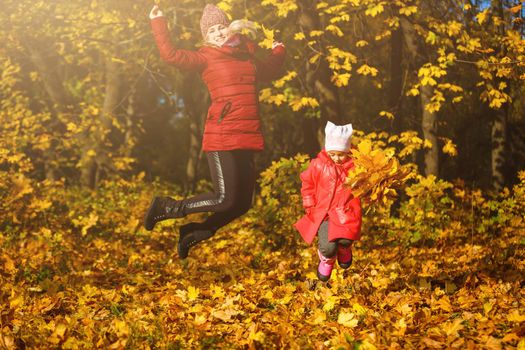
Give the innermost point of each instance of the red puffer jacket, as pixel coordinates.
(325, 197)
(231, 74)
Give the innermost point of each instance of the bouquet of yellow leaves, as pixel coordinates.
(377, 173)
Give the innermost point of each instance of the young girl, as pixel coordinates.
(232, 131)
(332, 213)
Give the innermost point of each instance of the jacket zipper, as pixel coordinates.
(333, 192)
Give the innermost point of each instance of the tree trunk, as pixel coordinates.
(429, 127)
(193, 96)
(60, 99)
(129, 138)
(499, 124)
(318, 76)
(498, 141)
(95, 162)
(428, 119)
(396, 78)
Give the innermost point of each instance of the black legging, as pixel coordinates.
(233, 178)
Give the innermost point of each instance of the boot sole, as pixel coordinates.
(183, 254)
(322, 277)
(345, 265)
(149, 224)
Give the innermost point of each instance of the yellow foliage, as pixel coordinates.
(454, 28)
(428, 72)
(450, 148)
(377, 173)
(495, 97)
(316, 33)
(21, 187)
(193, 293)
(411, 141)
(85, 223)
(367, 70)
(283, 6)
(301, 102)
(386, 114)
(347, 319)
(330, 303)
(515, 316)
(385, 34)
(340, 80)
(334, 30)
(321, 5)
(408, 10)
(290, 75)
(341, 17)
(414, 91)
(375, 9)
(516, 9)
(482, 16)
(269, 38)
(299, 36)
(431, 38)
(340, 59)
(314, 58)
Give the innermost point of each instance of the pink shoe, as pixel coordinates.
(326, 265)
(344, 256)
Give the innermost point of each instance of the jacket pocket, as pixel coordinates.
(344, 215)
(219, 110)
(224, 111)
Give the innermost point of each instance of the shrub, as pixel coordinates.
(280, 204)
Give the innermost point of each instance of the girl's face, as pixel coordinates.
(338, 157)
(217, 35)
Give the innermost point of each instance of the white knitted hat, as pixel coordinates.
(337, 138)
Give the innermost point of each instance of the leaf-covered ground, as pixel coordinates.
(130, 290)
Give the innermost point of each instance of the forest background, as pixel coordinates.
(93, 124)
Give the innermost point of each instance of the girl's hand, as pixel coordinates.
(155, 12)
(277, 43)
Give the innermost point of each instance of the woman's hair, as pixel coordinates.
(244, 27)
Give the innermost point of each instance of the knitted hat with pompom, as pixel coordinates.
(212, 15)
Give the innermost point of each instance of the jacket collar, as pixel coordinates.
(238, 46)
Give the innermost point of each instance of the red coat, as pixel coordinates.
(231, 74)
(325, 197)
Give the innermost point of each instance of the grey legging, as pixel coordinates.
(326, 247)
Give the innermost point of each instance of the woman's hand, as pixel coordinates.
(155, 12)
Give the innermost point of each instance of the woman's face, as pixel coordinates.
(338, 157)
(217, 35)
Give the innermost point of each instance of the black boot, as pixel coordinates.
(185, 229)
(190, 235)
(162, 208)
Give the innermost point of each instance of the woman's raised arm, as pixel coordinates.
(183, 59)
(270, 67)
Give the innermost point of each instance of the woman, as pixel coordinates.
(232, 131)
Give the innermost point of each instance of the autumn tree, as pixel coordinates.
(77, 53)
